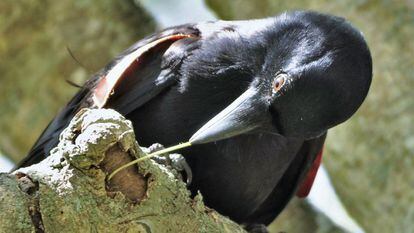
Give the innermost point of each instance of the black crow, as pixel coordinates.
(255, 97)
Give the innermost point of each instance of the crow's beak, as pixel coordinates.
(246, 113)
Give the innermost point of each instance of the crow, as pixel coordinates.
(254, 97)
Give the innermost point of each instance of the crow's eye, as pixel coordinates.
(279, 81)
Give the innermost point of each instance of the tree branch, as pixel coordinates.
(68, 192)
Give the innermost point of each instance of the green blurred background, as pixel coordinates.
(370, 157)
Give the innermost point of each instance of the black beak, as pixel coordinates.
(245, 114)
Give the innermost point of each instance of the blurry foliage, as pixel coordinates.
(34, 37)
(371, 157)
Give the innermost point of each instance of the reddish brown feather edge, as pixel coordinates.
(107, 84)
(307, 183)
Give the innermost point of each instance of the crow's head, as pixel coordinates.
(310, 72)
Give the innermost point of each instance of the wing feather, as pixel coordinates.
(126, 83)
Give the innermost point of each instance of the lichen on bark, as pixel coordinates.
(68, 191)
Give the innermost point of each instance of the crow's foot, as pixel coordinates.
(256, 228)
(172, 161)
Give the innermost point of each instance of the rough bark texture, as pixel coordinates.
(68, 192)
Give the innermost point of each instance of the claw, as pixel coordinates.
(256, 228)
(179, 163)
(174, 161)
(161, 159)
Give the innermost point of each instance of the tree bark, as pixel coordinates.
(68, 191)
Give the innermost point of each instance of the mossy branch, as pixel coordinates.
(69, 192)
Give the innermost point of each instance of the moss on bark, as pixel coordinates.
(68, 192)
